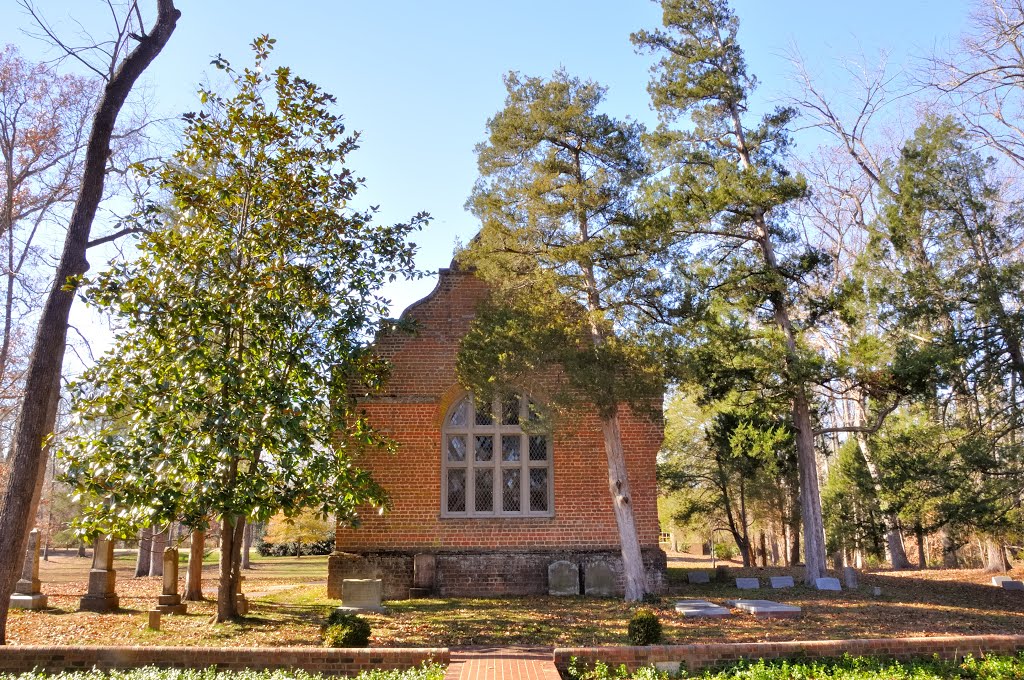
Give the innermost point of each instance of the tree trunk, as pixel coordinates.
(897, 552)
(922, 558)
(622, 502)
(794, 529)
(246, 545)
(995, 557)
(775, 548)
(194, 576)
(145, 549)
(81, 548)
(42, 379)
(949, 556)
(231, 529)
(156, 553)
(764, 549)
(742, 546)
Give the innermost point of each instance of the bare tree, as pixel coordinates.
(129, 53)
(984, 79)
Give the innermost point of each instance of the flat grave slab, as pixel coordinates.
(781, 581)
(748, 583)
(764, 609)
(1013, 585)
(998, 580)
(827, 583)
(700, 608)
(698, 577)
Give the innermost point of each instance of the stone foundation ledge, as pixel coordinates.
(699, 656)
(20, 659)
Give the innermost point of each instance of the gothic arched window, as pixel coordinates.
(493, 466)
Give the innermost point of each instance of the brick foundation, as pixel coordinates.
(699, 656)
(16, 659)
(481, 573)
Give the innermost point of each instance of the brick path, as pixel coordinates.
(502, 663)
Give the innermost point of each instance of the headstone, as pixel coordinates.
(1013, 585)
(170, 600)
(241, 603)
(599, 580)
(998, 580)
(876, 591)
(748, 583)
(154, 619)
(781, 581)
(424, 575)
(698, 577)
(827, 583)
(101, 596)
(766, 608)
(361, 595)
(850, 578)
(563, 578)
(700, 608)
(26, 593)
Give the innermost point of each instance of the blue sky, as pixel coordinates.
(420, 79)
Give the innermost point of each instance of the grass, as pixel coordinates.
(847, 668)
(288, 605)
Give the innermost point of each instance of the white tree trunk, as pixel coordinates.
(156, 553)
(622, 502)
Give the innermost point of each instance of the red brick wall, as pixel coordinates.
(17, 659)
(422, 387)
(698, 656)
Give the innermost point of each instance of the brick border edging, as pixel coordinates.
(699, 656)
(19, 659)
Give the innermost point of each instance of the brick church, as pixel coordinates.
(482, 502)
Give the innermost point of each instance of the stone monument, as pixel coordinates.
(599, 580)
(361, 595)
(101, 596)
(26, 591)
(170, 600)
(241, 603)
(563, 578)
(424, 576)
(850, 578)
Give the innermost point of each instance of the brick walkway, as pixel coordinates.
(502, 663)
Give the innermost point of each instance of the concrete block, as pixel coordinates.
(361, 595)
(827, 583)
(700, 609)
(35, 601)
(1013, 585)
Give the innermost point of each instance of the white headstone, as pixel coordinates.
(748, 583)
(827, 583)
(700, 608)
(781, 581)
(766, 608)
(698, 577)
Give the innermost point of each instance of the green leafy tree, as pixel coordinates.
(230, 387)
(306, 527)
(725, 191)
(568, 275)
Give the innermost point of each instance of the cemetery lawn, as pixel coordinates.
(288, 604)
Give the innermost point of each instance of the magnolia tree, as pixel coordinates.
(230, 388)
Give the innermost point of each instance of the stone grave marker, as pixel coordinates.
(781, 581)
(27, 593)
(850, 578)
(241, 602)
(1013, 585)
(361, 595)
(599, 580)
(154, 619)
(764, 609)
(563, 578)
(424, 575)
(698, 577)
(101, 596)
(998, 580)
(170, 600)
(748, 583)
(827, 583)
(700, 608)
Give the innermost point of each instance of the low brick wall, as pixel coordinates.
(17, 659)
(698, 656)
